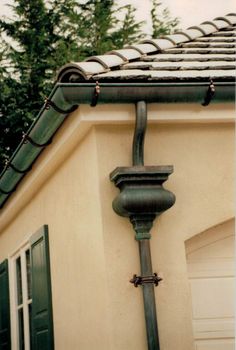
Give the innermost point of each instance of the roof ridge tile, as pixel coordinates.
(223, 18)
(108, 61)
(205, 29)
(117, 59)
(160, 44)
(221, 24)
(126, 54)
(177, 38)
(143, 48)
(212, 23)
(184, 32)
(84, 69)
(232, 19)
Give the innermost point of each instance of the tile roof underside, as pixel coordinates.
(199, 53)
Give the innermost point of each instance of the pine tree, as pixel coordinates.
(45, 34)
(103, 30)
(162, 23)
(33, 46)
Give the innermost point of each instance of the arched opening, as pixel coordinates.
(211, 271)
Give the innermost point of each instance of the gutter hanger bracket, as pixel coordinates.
(7, 192)
(49, 103)
(26, 138)
(209, 94)
(96, 94)
(9, 165)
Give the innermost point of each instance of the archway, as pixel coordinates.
(211, 270)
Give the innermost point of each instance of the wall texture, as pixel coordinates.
(93, 251)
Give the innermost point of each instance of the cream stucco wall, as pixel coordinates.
(93, 251)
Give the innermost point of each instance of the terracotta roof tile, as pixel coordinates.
(197, 53)
(126, 54)
(160, 44)
(108, 61)
(143, 48)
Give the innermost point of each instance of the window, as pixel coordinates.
(26, 321)
(21, 298)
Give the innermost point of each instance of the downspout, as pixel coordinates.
(65, 98)
(141, 199)
(142, 196)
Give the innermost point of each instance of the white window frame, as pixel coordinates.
(14, 307)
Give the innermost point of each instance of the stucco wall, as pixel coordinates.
(93, 251)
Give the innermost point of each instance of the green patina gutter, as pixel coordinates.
(65, 96)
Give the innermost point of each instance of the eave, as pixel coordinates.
(66, 96)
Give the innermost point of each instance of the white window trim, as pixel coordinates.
(20, 252)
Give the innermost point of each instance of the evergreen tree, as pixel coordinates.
(101, 28)
(162, 23)
(34, 44)
(45, 34)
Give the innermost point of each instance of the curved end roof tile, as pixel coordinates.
(83, 69)
(108, 61)
(160, 44)
(126, 54)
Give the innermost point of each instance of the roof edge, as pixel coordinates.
(65, 98)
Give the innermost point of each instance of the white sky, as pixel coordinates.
(190, 12)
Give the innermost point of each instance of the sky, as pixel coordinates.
(190, 12)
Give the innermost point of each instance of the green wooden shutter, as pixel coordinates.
(5, 330)
(42, 324)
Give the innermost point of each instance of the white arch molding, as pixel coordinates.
(211, 270)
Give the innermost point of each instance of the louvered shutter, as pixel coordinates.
(42, 324)
(5, 330)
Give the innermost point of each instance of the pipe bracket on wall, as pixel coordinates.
(141, 280)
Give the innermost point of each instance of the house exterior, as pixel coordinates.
(67, 258)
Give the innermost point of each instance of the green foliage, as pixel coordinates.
(33, 45)
(42, 36)
(162, 23)
(102, 30)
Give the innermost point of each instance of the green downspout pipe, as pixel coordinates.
(144, 243)
(145, 205)
(142, 198)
